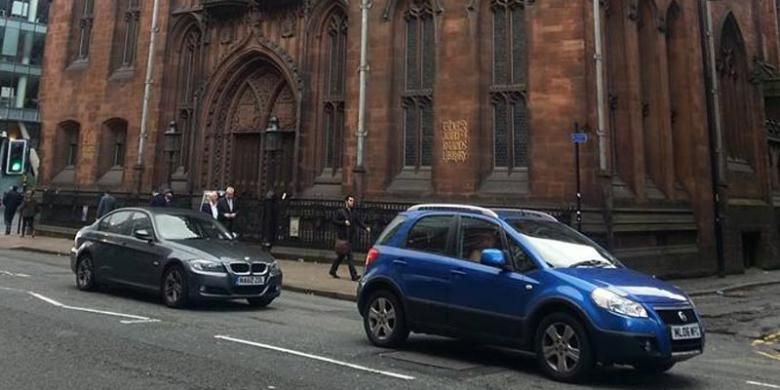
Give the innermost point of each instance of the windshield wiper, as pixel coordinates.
(590, 263)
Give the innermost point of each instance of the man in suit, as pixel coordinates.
(228, 208)
(106, 205)
(211, 207)
(347, 221)
(162, 199)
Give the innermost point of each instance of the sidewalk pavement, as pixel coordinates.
(313, 278)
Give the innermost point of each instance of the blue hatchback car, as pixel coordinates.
(522, 279)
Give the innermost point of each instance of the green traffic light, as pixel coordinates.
(16, 166)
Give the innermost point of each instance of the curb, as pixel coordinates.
(320, 293)
(38, 250)
(733, 288)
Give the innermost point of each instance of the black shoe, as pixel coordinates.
(356, 278)
(333, 274)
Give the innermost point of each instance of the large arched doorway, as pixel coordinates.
(243, 106)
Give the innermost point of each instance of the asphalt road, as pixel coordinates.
(53, 336)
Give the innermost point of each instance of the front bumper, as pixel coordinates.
(222, 287)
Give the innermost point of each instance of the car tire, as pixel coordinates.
(259, 302)
(654, 368)
(174, 287)
(385, 320)
(85, 274)
(563, 348)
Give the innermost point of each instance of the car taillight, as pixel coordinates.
(372, 255)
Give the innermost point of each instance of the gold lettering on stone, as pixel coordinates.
(455, 147)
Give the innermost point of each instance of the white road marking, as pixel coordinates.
(316, 357)
(134, 319)
(14, 274)
(771, 386)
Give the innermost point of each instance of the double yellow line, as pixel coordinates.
(768, 341)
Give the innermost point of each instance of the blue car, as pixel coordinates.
(521, 279)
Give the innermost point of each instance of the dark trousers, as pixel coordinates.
(27, 222)
(350, 263)
(9, 220)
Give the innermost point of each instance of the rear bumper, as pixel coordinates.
(212, 287)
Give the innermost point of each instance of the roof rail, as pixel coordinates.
(540, 214)
(448, 206)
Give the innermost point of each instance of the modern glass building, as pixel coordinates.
(23, 27)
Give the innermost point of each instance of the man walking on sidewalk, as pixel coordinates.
(347, 221)
(11, 200)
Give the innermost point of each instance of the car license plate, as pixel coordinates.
(250, 280)
(686, 332)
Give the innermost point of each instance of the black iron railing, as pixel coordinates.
(305, 223)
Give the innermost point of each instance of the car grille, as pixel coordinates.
(239, 268)
(672, 316)
(259, 268)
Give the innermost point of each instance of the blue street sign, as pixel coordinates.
(579, 138)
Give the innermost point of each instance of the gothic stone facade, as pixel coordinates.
(468, 101)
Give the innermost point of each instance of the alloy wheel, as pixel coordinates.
(84, 274)
(382, 318)
(561, 347)
(173, 287)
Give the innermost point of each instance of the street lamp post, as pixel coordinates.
(272, 145)
(172, 137)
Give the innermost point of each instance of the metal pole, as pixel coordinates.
(713, 111)
(577, 170)
(601, 130)
(361, 129)
(147, 94)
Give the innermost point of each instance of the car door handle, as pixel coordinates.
(457, 272)
(400, 262)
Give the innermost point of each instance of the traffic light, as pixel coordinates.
(16, 162)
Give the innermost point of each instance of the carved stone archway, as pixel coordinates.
(234, 153)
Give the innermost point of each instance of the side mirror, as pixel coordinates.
(493, 258)
(143, 234)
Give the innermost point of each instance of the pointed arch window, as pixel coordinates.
(333, 102)
(128, 14)
(186, 86)
(510, 117)
(735, 89)
(81, 29)
(419, 74)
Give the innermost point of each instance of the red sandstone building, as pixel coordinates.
(468, 100)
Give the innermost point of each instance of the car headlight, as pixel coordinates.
(616, 304)
(207, 266)
(274, 266)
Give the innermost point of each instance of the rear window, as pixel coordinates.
(429, 234)
(390, 230)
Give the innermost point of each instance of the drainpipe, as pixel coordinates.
(360, 170)
(601, 130)
(714, 127)
(139, 168)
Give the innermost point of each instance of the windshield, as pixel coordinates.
(190, 227)
(562, 247)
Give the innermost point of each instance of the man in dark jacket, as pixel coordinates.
(106, 205)
(347, 221)
(162, 199)
(11, 200)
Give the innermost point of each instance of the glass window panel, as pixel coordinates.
(10, 42)
(520, 139)
(412, 74)
(410, 135)
(500, 148)
(430, 235)
(426, 155)
(518, 45)
(499, 46)
(428, 53)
